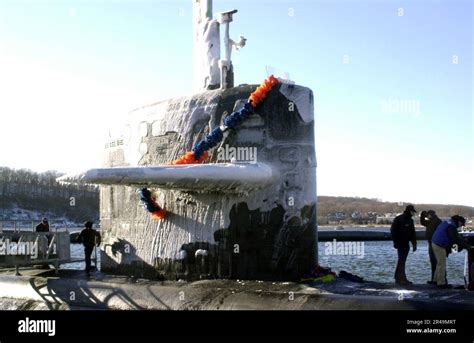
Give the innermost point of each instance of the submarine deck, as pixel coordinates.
(42, 289)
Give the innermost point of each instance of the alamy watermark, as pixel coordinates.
(8, 247)
(28, 325)
(344, 248)
(228, 153)
(407, 106)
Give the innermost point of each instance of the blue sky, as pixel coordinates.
(70, 70)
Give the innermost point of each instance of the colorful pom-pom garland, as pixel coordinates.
(200, 150)
(149, 202)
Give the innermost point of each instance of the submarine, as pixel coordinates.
(244, 209)
(216, 187)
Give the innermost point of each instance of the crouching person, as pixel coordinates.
(431, 221)
(89, 238)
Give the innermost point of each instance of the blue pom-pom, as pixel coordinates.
(242, 114)
(231, 120)
(214, 137)
(150, 205)
(145, 194)
(199, 149)
(236, 117)
(248, 106)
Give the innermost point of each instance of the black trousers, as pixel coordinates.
(87, 253)
(402, 259)
(432, 260)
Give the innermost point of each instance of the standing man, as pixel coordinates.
(403, 232)
(431, 221)
(43, 226)
(445, 236)
(89, 238)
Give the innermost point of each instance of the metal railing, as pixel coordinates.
(30, 225)
(26, 248)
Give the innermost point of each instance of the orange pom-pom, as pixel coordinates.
(188, 158)
(203, 157)
(159, 215)
(273, 80)
(261, 92)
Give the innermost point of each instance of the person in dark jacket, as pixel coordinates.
(89, 238)
(444, 238)
(403, 232)
(43, 226)
(431, 221)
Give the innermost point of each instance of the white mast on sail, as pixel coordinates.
(210, 71)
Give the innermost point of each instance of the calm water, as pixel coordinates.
(378, 263)
(77, 251)
(380, 259)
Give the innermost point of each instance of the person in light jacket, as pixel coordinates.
(444, 238)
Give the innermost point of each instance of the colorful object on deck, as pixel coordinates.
(319, 274)
(149, 202)
(200, 153)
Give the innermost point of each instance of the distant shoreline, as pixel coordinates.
(352, 226)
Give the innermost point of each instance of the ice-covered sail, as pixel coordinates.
(253, 220)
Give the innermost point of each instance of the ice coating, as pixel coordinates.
(274, 226)
(223, 177)
(302, 97)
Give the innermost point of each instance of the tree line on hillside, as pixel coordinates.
(41, 192)
(330, 206)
